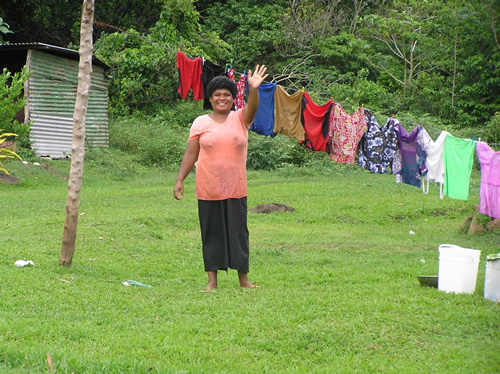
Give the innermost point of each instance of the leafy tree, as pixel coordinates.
(56, 21)
(478, 66)
(252, 28)
(4, 29)
(49, 21)
(144, 65)
(403, 31)
(12, 102)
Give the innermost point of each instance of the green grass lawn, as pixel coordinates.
(338, 288)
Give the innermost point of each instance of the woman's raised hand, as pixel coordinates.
(256, 78)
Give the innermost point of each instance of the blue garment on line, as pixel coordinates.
(263, 123)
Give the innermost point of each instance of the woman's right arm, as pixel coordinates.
(187, 163)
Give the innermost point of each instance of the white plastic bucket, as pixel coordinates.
(458, 268)
(492, 278)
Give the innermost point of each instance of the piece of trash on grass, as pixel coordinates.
(412, 232)
(135, 283)
(36, 163)
(82, 213)
(49, 362)
(23, 263)
(25, 162)
(422, 261)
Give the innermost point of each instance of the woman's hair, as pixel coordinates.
(221, 82)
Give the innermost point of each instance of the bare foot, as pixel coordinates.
(212, 280)
(249, 285)
(211, 287)
(244, 282)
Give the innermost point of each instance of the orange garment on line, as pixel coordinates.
(221, 165)
(287, 113)
(346, 130)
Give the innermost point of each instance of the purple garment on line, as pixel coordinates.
(489, 197)
(412, 156)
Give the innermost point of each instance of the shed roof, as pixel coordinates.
(59, 51)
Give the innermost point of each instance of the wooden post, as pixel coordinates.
(78, 145)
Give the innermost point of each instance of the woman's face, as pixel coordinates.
(222, 100)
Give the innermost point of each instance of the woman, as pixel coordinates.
(218, 144)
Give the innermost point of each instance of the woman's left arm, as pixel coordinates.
(254, 82)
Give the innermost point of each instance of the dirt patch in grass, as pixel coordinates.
(9, 179)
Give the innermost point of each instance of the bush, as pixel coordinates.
(493, 130)
(155, 140)
(12, 102)
(266, 153)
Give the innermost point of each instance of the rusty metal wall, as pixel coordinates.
(52, 90)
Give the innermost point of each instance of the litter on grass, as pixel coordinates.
(23, 263)
(135, 283)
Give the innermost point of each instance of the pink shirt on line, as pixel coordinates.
(221, 165)
(489, 197)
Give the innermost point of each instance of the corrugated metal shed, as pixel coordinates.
(51, 93)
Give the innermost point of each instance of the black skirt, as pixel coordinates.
(224, 234)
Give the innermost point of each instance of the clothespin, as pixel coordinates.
(392, 115)
(446, 128)
(302, 88)
(362, 106)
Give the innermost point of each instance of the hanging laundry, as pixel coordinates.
(287, 111)
(230, 74)
(316, 121)
(209, 72)
(240, 95)
(263, 123)
(189, 76)
(345, 132)
(434, 162)
(458, 157)
(424, 141)
(489, 197)
(409, 159)
(378, 145)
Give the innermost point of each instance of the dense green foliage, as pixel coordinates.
(144, 72)
(11, 102)
(440, 58)
(58, 22)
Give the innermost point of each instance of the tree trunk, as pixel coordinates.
(78, 146)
